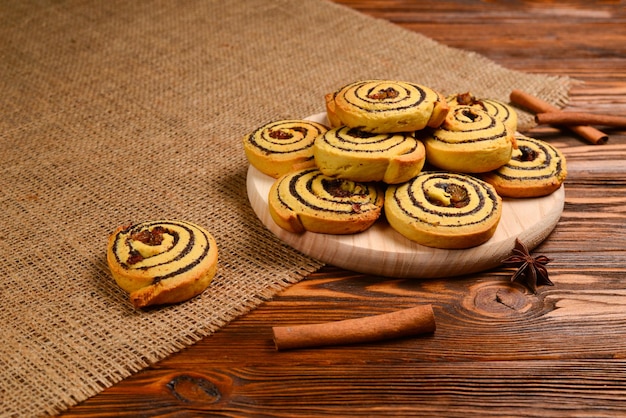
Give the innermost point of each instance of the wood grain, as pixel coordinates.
(498, 349)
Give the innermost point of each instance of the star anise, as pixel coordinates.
(530, 270)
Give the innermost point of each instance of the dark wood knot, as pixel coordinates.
(495, 299)
(194, 389)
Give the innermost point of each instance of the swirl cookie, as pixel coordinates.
(444, 210)
(470, 140)
(307, 200)
(352, 154)
(383, 106)
(162, 262)
(279, 147)
(495, 108)
(536, 169)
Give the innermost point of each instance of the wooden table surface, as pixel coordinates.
(499, 349)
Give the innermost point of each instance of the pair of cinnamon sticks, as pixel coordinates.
(578, 122)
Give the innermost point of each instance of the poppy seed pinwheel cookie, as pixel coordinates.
(470, 140)
(444, 210)
(352, 154)
(385, 106)
(495, 108)
(162, 262)
(536, 169)
(307, 200)
(279, 147)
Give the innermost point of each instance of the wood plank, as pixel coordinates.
(510, 389)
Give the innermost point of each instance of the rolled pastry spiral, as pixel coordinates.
(352, 154)
(535, 169)
(282, 146)
(469, 141)
(384, 106)
(495, 108)
(307, 200)
(162, 262)
(444, 210)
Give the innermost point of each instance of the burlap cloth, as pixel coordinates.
(119, 111)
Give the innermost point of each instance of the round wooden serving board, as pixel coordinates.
(384, 252)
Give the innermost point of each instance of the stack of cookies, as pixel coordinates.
(437, 167)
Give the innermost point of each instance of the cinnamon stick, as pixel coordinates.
(579, 118)
(406, 322)
(536, 105)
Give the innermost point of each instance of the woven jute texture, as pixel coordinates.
(121, 111)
